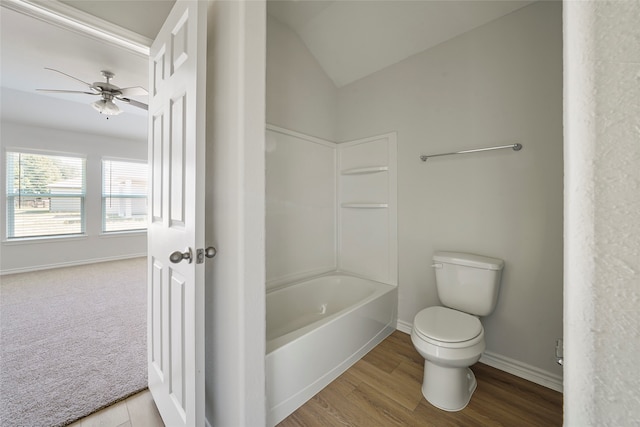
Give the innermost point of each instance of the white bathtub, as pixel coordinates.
(316, 330)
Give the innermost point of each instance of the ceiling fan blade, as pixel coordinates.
(135, 103)
(66, 91)
(133, 91)
(71, 77)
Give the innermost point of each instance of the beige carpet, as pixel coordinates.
(72, 340)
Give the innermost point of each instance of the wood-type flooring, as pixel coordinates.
(384, 389)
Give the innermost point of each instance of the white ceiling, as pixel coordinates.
(350, 40)
(144, 17)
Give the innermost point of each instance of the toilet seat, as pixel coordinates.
(446, 327)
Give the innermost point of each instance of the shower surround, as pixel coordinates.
(331, 259)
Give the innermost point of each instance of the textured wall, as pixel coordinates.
(602, 224)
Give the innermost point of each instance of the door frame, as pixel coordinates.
(235, 221)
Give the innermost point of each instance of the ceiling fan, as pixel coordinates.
(108, 93)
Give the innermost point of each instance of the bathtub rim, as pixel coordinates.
(307, 278)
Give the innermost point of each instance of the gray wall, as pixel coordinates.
(300, 96)
(498, 84)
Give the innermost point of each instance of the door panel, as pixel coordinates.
(157, 162)
(155, 321)
(177, 171)
(177, 335)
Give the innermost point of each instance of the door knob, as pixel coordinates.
(210, 252)
(178, 256)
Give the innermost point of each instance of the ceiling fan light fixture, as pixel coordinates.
(106, 106)
(108, 93)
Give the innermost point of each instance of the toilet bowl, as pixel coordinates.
(450, 337)
(450, 341)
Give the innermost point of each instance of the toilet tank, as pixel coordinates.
(467, 282)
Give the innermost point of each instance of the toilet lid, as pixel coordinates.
(446, 325)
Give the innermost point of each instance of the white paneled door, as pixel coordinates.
(176, 153)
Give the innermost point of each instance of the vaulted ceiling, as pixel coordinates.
(352, 39)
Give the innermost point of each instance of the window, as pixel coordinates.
(45, 195)
(124, 195)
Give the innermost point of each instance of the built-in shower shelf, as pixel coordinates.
(365, 205)
(365, 170)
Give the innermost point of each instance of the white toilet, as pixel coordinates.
(451, 338)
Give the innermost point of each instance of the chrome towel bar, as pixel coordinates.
(515, 147)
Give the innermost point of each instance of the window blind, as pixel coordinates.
(45, 195)
(124, 195)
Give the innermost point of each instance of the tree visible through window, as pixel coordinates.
(45, 195)
(124, 195)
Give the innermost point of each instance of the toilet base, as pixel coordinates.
(449, 389)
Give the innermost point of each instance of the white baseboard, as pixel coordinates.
(511, 366)
(69, 264)
(403, 326)
(523, 370)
